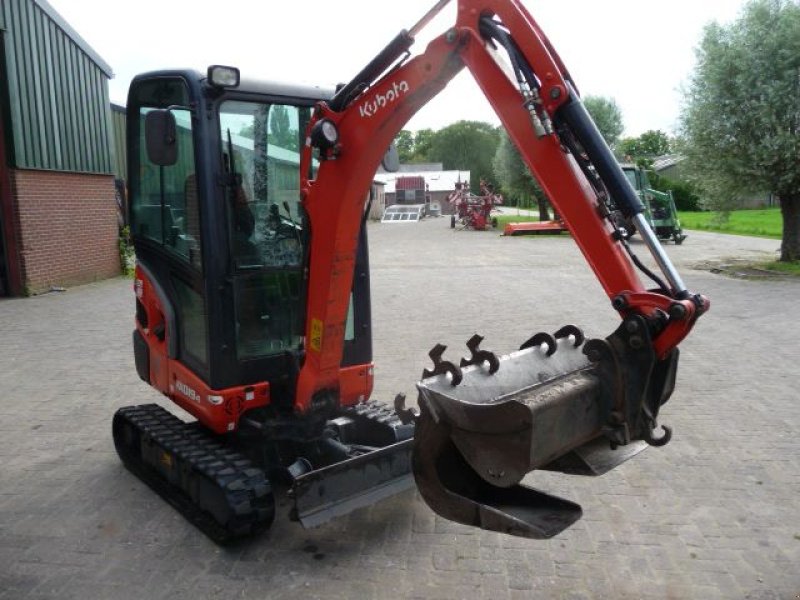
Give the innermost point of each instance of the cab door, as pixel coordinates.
(166, 229)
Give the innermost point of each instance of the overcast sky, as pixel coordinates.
(637, 52)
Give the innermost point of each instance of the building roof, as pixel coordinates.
(666, 161)
(415, 168)
(437, 181)
(75, 36)
(57, 92)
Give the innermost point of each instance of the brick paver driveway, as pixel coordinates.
(715, 514)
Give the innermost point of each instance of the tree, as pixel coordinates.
(414, 147)
(741, 118)
(281, 132)
(423, 140)
(466, 145)
(607, 116)
(648, 145)
(405, 145)
(514, 176)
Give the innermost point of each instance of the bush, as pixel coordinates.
(127, 257)
(685, 194)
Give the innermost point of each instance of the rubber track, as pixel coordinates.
(383, 415)
(217, 489)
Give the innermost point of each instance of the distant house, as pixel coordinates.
(58, 216)
(672, 167)
(669, 165)
(438, 185)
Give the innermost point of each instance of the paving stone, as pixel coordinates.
(711, 515)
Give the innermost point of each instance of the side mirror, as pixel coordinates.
(391, 160)
(161, 137)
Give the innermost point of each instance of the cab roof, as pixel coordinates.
(249, 85)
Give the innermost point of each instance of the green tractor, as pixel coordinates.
(659, 207)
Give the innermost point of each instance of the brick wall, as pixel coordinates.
(66, 228)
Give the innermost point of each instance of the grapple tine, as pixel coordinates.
(539, 339)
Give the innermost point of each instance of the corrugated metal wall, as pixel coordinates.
(120, 157)
(58, 93)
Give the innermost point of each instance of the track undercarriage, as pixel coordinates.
(226, 485)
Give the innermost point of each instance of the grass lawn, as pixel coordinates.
(503, 219)
(787, 268)
(765, 222)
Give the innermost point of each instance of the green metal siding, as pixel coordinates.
(58, 92)
(120, 149)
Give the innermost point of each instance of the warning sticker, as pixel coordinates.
(166, 459)
(316, 335)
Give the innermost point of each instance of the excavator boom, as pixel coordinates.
(558, 402)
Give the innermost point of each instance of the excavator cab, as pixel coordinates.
(222, 231)
(222, 244)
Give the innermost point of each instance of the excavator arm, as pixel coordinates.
(560, 402)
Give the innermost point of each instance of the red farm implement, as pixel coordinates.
(471, 211)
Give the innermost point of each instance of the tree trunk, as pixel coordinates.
(790, 210)
(544, 214)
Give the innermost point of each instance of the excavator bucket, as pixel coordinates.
(555, 404)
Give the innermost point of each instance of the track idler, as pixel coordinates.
(559, 403)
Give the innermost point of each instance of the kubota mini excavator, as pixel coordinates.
(252, 297)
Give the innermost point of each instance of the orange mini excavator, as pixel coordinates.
(248, 209)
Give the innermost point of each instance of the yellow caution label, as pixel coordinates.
(315, 343)
(166, 459)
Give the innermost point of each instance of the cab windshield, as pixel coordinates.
(266, 226)
(631, 175)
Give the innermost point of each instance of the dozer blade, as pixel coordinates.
(336, 490)
(484, 426)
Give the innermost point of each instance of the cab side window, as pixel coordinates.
(164, 205)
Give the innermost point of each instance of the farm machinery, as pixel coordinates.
(659, 207)
(473, 211)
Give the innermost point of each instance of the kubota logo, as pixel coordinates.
(186, 391)
(379, 101)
